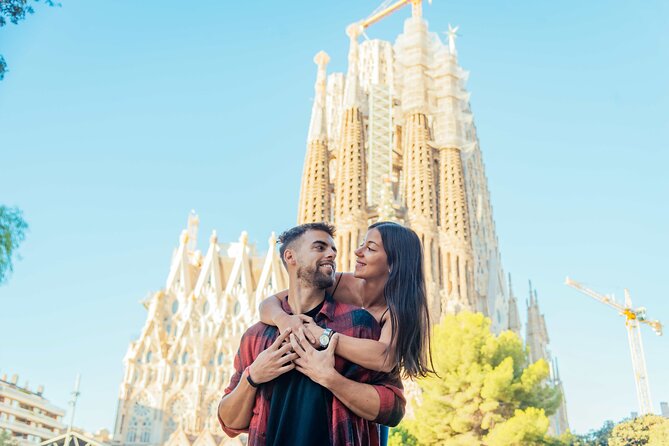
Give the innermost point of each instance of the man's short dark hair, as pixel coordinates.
(289, 236)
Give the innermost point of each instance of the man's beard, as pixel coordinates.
(313, 276)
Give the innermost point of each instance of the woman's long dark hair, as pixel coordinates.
(407, 299)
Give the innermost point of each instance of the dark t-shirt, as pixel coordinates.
(298, 413)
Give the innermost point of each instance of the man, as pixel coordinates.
(278, 405)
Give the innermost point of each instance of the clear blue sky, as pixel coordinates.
(119, 117)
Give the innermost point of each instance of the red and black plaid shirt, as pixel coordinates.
(346, 428)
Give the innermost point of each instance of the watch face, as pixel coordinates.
(324, 339)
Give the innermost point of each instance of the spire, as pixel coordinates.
(417, 8)
(318, 127)
(315, 191)
(193, 223)
(510, 286)
(351, 98)
(514, 317)
(452, 34)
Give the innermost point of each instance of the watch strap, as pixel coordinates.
(250, 381)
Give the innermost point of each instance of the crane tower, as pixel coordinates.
(633, 318)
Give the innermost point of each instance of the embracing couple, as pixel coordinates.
(323, 367)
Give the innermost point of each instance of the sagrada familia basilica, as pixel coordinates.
(393, 138)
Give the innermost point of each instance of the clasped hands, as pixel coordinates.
(295, 348)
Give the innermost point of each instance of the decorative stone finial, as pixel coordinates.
(354, 30)
(417, 8)
(321, 59)
(213, 239)
(272, 239)
(452, 34)
(184, 237)
(244, 238)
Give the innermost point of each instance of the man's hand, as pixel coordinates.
(274, 361)
(317, 365)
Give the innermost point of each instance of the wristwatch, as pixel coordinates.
(325, 337)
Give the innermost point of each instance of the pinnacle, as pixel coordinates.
(321, 59)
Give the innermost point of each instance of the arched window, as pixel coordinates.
(175, 306)
(132, 430)
(205, 307)
(146, 431)
(184, 357)
(220, 358)
(148, 356)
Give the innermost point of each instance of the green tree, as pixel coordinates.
(598, 437)
(652, 430)
(15, 11)
(7, 440)
(400, 436)
(484, 392)
(12, 232)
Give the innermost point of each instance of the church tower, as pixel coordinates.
(398, 138)
(536, 339)
(315, 192)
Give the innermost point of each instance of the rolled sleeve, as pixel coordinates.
(240, 364)
(391, 404)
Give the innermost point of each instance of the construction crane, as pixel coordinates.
(633, 318)
(385, 9)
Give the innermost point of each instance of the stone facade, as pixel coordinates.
(176, 370)
(394, 139)
(536, 339)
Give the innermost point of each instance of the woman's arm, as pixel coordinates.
(271, 313)
(372, 355)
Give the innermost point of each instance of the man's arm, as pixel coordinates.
(381, 402)
(236, 408)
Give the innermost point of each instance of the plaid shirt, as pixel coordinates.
(346, 428)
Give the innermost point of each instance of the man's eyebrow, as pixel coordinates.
(324, 244)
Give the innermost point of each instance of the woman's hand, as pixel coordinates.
(311, 331)
(284, 321)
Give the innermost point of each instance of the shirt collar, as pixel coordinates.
(327, 311)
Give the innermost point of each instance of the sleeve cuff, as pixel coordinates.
(391, 405)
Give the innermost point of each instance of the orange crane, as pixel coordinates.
(633, 318)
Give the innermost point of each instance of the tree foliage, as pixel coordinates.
(7, 440)
(598, 437)
(14, 11)
(649, 430)
(12, 232)
(485, 392)
(400, 436)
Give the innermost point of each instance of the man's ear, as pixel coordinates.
(289, 257)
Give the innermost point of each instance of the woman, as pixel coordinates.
(388, 282)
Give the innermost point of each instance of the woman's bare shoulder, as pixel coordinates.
(347, 289)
